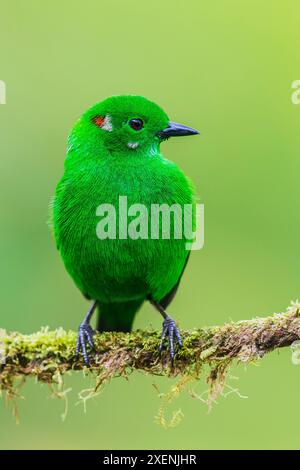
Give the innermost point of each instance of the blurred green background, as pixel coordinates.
(224, 67)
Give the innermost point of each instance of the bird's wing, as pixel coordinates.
(170, 295)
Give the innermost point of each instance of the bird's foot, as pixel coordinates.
(85, 338)
(172, 331)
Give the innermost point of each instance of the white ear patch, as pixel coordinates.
(107, 125)
(104, 122)
(132, 145)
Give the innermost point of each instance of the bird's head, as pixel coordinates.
(124, 124)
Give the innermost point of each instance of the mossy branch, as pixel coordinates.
(47, 355)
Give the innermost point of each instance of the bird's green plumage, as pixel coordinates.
(100, 167)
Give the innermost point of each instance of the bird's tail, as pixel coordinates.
(117, 316)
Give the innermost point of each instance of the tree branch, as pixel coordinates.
(47, 355)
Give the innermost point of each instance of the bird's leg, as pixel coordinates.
(169, 329)
(85, 335)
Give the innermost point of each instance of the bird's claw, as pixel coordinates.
(85, 337)
(172, 331)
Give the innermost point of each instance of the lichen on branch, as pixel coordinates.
(48, 355)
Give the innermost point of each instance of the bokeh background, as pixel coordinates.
(224, 67)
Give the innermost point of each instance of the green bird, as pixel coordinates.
(114, 151)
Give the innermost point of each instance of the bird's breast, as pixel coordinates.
(109, 199)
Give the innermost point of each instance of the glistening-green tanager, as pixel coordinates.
(113, 151)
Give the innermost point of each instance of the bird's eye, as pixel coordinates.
(136, 124)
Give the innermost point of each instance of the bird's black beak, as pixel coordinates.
(176, 130)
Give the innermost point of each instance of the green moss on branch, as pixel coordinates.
(47, 355)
